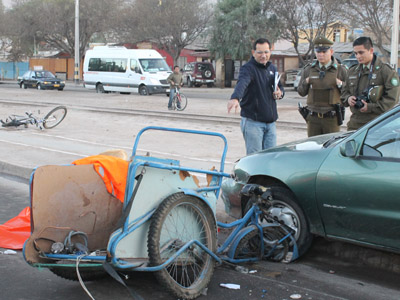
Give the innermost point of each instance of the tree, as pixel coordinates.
(304, 19)
(52, 22)
(237, 24)
(374, 16)
(171, 24)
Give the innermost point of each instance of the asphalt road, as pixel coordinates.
(315, 276)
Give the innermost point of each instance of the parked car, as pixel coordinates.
(199, 73)
(297, 80)
(348, 62)
(42, 80)
(290, 76)
(343, 186)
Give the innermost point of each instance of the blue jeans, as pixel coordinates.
(171, 96)
(258, 135)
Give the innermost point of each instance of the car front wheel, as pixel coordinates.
(285, 210)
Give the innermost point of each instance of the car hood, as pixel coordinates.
(309, 144)
(49, 79)
(285, 162)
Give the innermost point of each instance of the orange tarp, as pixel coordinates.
(16, 231)
(112, 170)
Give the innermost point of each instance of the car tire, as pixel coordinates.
(210, 85)
(143, 90)
(100, 88)
(25, 86)
(189, 82)
(286, 210)
(39, 86)
(207, 73)
(61, 89)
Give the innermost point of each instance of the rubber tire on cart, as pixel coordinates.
(61, 111)
(249, 245)
(179, 219)
(143, 90)
(284, 202)
(87, 273)
(100, 88)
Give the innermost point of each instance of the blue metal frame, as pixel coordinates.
(243, 226)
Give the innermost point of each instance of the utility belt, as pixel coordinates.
(338, 113)
(329, 114)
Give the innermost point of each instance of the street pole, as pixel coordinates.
(394, 55)
(76, 72)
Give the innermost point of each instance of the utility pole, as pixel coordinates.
(76, 72)
(394, 54)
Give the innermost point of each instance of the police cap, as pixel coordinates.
(321, 43)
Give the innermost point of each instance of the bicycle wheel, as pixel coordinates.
(181, 105)
(179, 219)
(54, 117)
(249, 246)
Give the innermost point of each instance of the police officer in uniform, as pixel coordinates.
(372, 87)
(322, 82)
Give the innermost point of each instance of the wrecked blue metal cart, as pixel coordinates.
(166, 223)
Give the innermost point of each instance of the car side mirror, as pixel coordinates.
(137, 70)
(349, 149)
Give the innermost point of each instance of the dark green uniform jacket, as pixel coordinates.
(322, 91)
(360, 79)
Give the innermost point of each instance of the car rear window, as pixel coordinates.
(203, 67)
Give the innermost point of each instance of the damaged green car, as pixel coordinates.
(343, 186)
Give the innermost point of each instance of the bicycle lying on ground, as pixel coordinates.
(51, 120)
(179, 102)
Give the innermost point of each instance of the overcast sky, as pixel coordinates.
(7, 3)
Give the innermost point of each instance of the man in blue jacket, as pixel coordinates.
(257, 91)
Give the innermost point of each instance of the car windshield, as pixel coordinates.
(154, 65)
(44, 74)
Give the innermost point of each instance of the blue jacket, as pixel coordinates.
(255, 89)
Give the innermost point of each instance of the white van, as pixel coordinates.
(118, 69)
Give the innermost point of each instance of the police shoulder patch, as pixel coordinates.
(394, 81)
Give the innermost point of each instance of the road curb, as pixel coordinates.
(23, 173)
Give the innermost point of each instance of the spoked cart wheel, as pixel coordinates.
(249, 245)
(179, 219)
(54, 117)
